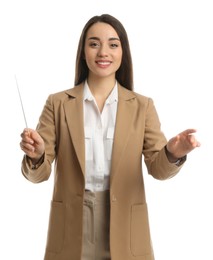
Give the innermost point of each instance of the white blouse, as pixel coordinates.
(99, 134)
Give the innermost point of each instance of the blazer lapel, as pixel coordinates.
(124, 118)
(74, 116)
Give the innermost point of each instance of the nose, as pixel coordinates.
(103, 51)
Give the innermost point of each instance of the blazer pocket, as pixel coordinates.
(55, 236)
(140, 240)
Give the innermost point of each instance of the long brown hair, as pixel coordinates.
(124, 75)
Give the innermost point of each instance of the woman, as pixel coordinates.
(97, 133)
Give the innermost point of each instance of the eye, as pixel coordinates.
(94, 44)
(114, 45)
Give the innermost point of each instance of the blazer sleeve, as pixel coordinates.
(46, 128)
(155, 141)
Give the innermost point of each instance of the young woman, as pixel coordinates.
(97, 133)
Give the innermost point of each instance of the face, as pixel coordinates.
(103, 50)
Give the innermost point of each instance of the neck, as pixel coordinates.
(101, 87)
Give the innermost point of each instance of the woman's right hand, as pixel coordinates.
(32, 144)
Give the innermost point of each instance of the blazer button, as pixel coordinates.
(114, 198)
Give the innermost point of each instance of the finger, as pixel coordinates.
(31, 136)
(194, 141)
(189, 131)
(27, 138)
(175, 139)
(25, 133)
(36, 137)
(27, 147)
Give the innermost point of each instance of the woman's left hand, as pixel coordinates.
(183, 143)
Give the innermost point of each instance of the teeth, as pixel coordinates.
(104, 62)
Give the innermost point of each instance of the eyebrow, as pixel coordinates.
(110, 39)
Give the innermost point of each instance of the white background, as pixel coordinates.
(171, 43)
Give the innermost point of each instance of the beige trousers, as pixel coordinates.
(96, 218)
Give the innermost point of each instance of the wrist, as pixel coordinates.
(35, 163)
(173, 159)
(170, 156)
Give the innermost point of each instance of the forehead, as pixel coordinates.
(102, 30)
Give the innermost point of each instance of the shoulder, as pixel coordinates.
(76, 91)
(134, 96)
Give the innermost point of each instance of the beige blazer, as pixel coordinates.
(137, 133)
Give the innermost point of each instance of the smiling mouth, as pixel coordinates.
(103, 62)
